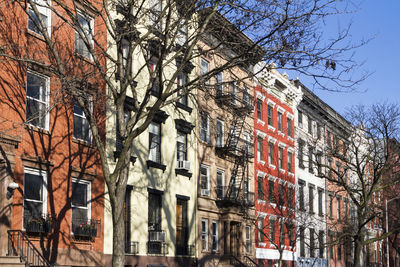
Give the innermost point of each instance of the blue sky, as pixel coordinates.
(382, 55)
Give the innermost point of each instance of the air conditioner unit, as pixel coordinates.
(205, 192)
(184, 165)
(157, 236)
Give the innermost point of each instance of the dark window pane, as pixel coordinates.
(79, 194)
(33, 187)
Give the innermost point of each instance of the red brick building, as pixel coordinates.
(46, 145)
(275, 98)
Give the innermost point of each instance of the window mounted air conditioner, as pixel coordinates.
(183, 164)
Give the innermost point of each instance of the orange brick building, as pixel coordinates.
(46, 145)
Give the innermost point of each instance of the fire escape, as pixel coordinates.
(236, 149)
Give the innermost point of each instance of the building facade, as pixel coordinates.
(276, 100)
(51, 187)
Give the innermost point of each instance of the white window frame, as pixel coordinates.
(89, 199)
(90, 21)
(214, 235)
(204, 234)
(155, 19)
(185, 145)
(153, 155)
(42, 173)
(208, 179)
(220, 85)
(43, 10)
(222, 172)
(247, 235)
(47, 96)
(204, 63)
(207, 129)
(83, 117)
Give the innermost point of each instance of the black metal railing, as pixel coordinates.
(235, 196)
(132, 247)
(232, 100)
(20, 245)
(249, 262)
(38, 224)
(157, 248)
(237, 147)
(82, 228)
(185, 250)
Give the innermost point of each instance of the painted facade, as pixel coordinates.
(276, 100)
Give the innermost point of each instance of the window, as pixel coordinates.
(271, 153)
(35, 194)
(84, 34)
(289, 127)
(301, 195)
(155, 14)
(154, 209)
(281, 194)
(312, 243)
(310, 125)
(248, 239)
(214, 233)
(260, 229)
(272, 230)
(220, 79)
(220, 133)
(290, 162)
(319, 135)
(329, 167)
(204, 235)
(204, 69)
(259, 109)
(220, 184)
(260, 188)
(302, 247)
(37, 102)
(270, 110)
(45, 16)
(279, 121)
(205, 127)
(259, 149)
(310, 159)
(81, 125)
(280, 158)
(300, 119)
(338, 207)
(155, 142)
(80, 203)
(182, 34)
(182, 93)
(271, 196)
(181, 146)
(330, 234)
(330, 206)
(290, 197)
(319, 163)
(346, 208)
(155, 80)
(338, 171)
(311, 198)
(301, 155)
(339, 248)
(321, 243)
(205, 180)
(320, 201)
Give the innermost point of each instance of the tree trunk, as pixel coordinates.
(357, 250)
(117, 204)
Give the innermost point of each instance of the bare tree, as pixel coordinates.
(364, 159)
(135, 51)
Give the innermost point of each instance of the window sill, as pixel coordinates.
(261, 162)
(290, 139)
(153, 164)
(117, 154)
(281, 133)
(261, 122)
(183, 173)
(184, 107)
(281, 170)
(30, 127)
(291, 174)
(82, 142)
(271, 128)
(272, 166)
(34, 34)
(262, 244)
(259, 201)
(272, 204)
